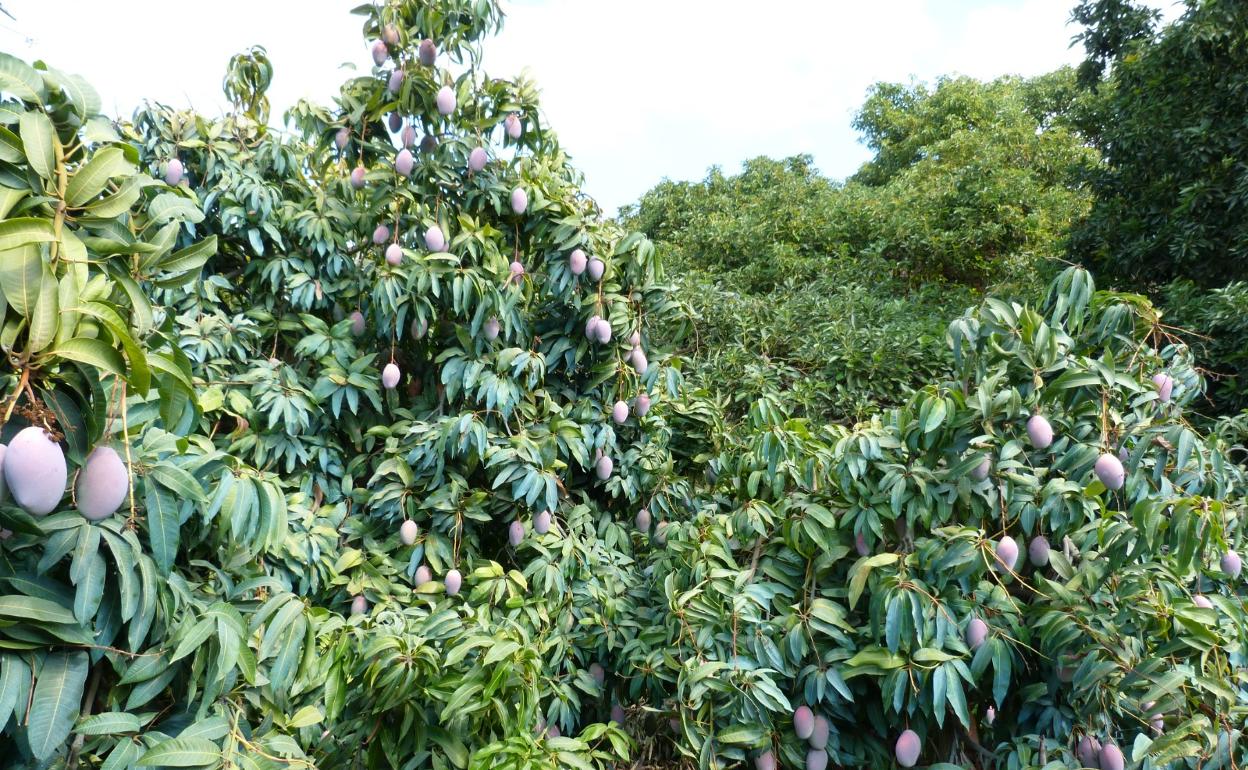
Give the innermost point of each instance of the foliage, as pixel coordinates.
(840, 567)
(973, 182)
(214, 624)
(1171, 196)
(1216, 324)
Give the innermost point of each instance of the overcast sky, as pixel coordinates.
(638, 90)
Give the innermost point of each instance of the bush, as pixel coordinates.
(262, 599)
(841, 568)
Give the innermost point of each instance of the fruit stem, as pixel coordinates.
(17, 393)
(125, 433)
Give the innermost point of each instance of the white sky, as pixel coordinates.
(638, 90)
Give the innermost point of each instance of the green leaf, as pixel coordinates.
(46, 315)
(21, 276)
(92, 177)
(170, 206)
(109, 723)
(54, 704)
(93, 352)
(198, 634)
(39, 142)
(182, 752)
(30, 608)
(162, 526)
(11, 150)
(20, 79)
(20, 231)
(192, 258)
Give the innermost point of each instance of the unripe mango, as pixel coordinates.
(765, 761)
(617, 714)
(541, 523)
(642, 520)
(819, 735)
(514, 127)
(577, 262)
(637, 358)
(35, 471)
(492, 328)
(428, 143)
(660, 533)
(519, 200)
(1038, 551)
(445, 100)
(380, 53)
(596, 268)
(359, 605)
(907, 749)
(435, 240)
(1200, 600)
(1165, 386)
(403, 162)
(515, 533)
(408, 531)
(1111, 758)
(394, 255)
(990, 715)
(408, 136)
(619, 412)
(419, 327)
(342, 137)
(477, 159)
(357, 323)
(453, 581)
(1231, 564)
(395, 122)
(381, 234)
(103, 484)
(1040, 432)
(604, 467)
(390, 35)
(860, 545)
(976, 633)
(803, 722)
(1007, 553)
(981, 471)
(597, 673)
(591, 327)
(634, 339)
(1110, 471)
(816, 759)
(423, 575)
(173, 172)
(428, 52)
(395, 82)
(390, 376)
(1088, 751)
(357, 177)
(517, 271)
(4, 485)
(642, 405)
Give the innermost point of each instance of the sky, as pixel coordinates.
(637, 90)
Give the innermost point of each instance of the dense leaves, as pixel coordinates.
(1171, 195)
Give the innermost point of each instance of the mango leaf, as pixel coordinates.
(20, 79)
(21, 276)
(39, 142)
(91, 178)
(23, 230)
(46, 316)
(181, 752)
(162, 526)
(93, 352)
(54, 704)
